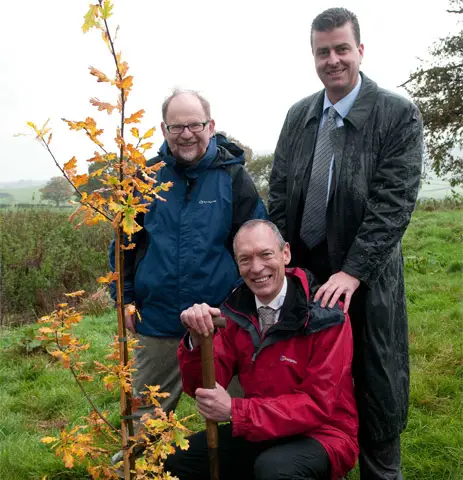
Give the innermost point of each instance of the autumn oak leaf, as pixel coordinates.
(102, 106)
(149, 133)
(91, 18)
(135, 117)
(106, 10)
(101, 77)
(48, 439)
(108, 278)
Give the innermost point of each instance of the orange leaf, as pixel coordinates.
(130, 246)
(70, 166)
(80, 180)
(123, 67)
(126, 83)
(101, 77)
(68, 460)
(135, 117)
(102, 105)
(110, 277)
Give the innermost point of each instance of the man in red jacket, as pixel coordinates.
(298, 418)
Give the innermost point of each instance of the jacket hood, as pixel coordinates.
(220, 152)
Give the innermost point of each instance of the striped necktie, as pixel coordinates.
(314, 217)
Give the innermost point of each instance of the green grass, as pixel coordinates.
(37, 396)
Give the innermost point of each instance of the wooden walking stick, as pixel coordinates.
(212, 433)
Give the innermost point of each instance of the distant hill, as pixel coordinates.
(23, 194)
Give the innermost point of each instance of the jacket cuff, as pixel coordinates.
(240, 424)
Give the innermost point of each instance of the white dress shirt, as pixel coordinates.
(342, 109)
(276, 303)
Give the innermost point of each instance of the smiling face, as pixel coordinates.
(337, 60)
(261, 261)
(187, 147)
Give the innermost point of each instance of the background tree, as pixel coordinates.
(57, 190)
(248, 153)
(259, 169)
(437, 88)
(95, 183)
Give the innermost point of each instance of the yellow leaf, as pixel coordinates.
(149, 133)
(129, 225)
(166, 186)
(77, 293)
(90, 18)
(180, 440)
(106, 10)
(135, 117)
(146, 146)
(135, 132)
(48, 439)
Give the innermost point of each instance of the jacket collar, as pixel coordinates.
(360, 110)
(294, 311)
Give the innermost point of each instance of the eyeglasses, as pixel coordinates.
(194, 127)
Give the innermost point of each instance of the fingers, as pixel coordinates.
(347, 299)
(198, 318)
(130, 323)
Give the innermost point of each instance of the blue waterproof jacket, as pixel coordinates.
(184, 253)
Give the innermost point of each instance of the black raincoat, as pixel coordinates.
(378, 159)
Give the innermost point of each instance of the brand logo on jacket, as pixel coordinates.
(286, 359)
(205, 202)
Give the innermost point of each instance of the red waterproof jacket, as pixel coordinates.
(296, 380)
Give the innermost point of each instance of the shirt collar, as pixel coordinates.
(277, 302)
(345, 104)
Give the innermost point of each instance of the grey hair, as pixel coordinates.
(335, 18)
(258, 221)
(177, 91)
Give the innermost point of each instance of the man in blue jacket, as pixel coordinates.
(184, 253)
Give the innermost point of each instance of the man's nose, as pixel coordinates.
(186, 133)
(256, 266)
(333, 59)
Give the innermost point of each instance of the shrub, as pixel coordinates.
(44, 256)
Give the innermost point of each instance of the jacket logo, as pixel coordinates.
(203, 202)
(286, 359)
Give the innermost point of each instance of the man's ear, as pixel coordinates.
(287, 253)
(164, 129)
(211, 127)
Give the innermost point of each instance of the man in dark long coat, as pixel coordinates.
(343, 187)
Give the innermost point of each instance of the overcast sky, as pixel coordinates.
(250, 58)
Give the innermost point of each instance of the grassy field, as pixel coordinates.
(24, 194)
(37, 397)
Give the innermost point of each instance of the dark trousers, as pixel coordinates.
(293, 458)
(380, 461)
(377, 461)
